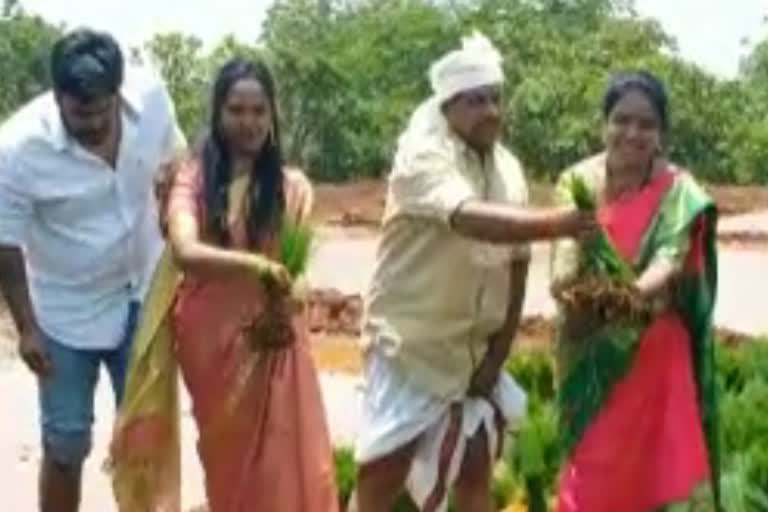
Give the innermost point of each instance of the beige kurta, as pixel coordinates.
(436, 296)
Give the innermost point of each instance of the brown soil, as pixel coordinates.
(337, 353)
(734, 200)
(535, 332)
(341, 353)
(732, 338)
(747, 241)
(353, 203)
(362, 202)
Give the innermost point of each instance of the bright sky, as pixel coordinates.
(709, 32)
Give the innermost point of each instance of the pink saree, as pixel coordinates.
(264, 442)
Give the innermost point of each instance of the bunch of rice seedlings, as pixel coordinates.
(295, 243)
(274, 327)
(603, 289)
(605, 299)
(599, 256)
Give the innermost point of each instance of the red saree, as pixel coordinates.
(645, 447)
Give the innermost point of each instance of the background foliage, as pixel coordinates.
(351, 71)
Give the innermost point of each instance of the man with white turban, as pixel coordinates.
(446, 295)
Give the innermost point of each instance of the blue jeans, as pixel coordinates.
(66, 397)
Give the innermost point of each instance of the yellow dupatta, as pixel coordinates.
(145, 451)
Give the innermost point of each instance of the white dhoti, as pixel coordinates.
(395, 413)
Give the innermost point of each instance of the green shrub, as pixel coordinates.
(739, 492)
(741, 363)
(745, 440)
(344, 461)
(534, 371)
(350, 73)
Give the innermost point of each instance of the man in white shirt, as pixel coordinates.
(79, 235)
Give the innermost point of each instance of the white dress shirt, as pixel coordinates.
(89, 231)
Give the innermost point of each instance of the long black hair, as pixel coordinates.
(266, 198)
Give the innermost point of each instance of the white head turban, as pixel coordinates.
(476, 64)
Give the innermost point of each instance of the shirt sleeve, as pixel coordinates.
(427, 184)
(16, 202)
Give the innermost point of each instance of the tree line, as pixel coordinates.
(349, 72)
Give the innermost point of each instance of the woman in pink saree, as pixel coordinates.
(264, 442)
(637, 397)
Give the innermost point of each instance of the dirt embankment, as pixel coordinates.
(339, 352)
(362, 202)
(736, 199)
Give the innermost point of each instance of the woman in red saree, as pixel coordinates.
(637, 399)
(264, 442)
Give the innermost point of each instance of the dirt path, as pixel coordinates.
(346, 263)
(20, 448)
